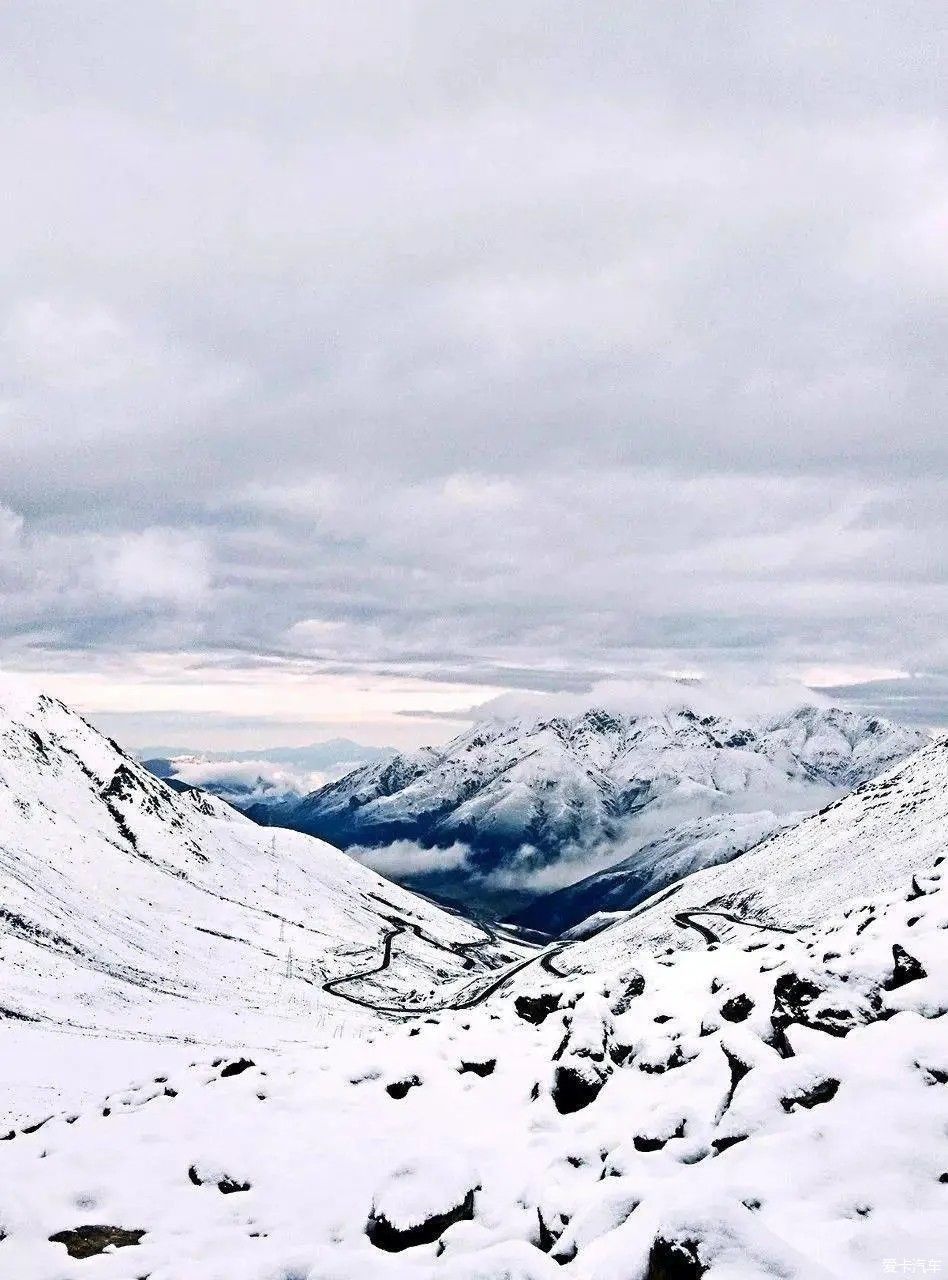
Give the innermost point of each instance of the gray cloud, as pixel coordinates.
(520, 347)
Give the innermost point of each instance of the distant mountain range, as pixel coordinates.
(527, 806)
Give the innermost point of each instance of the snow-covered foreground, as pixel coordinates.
(820, 1154)
(748, 1078)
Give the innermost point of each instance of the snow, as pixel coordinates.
(769, 1096)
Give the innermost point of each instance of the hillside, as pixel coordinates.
(127, 906)
(688, 847)
(866, 844)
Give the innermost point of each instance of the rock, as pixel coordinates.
(484, 1068)
(235, 1068)
(737, 1009)
(655, 1142)
(739, 1070)
(819, 1093)
(634, 986)
(793, 996)
(385, 1235)
(227, 1186)
(399, 1088)
(536, 1009)
(86, 1242)
(674, 1260)
(575, 1087)
(546, 1239)
(731, 1140)
(906, 969)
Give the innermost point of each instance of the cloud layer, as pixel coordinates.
(514, 348)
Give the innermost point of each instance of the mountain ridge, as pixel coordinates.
(529, 798)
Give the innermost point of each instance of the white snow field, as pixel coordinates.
(747, 1077)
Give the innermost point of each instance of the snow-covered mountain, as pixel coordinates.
(523, 796)
(126, 905)
(747, 1076)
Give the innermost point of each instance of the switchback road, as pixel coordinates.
(474, 993)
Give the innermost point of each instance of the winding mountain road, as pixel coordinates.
(463, 999)
(474, 993)
(685, 920)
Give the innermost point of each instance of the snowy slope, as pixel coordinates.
(125, 905)
(523, 795)
(765, 1095)
(688, 847)
(864, 844)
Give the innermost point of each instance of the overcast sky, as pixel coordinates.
(381, 358)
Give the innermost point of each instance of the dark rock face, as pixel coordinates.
(86, 1242)
(674, 1260)
(227, 1186)
(653, 1142)
(235, 1068)
(575, 1088)
(822, 1092)
(739, 1070)
(479, 1068)
(634, 987)
(536, 1009)
(675, 1059)
(737, 1009)
(546, 1238)
(793, 996)
(384, 1235)
(722, 1144)
(906, 969)
(399, 1088)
